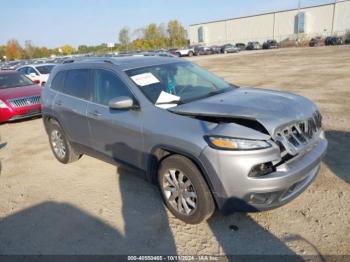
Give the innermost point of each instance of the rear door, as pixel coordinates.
(71, 104)
(115, 133)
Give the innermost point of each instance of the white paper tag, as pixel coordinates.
(165, 97)
(145, 79)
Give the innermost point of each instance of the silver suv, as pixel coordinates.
(208, 144)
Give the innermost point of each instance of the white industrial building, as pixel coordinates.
(320, 20)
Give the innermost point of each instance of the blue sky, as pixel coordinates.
(53, 23)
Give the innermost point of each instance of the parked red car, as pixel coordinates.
(19, 97)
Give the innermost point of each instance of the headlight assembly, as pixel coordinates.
(2, 104)
(228, 143)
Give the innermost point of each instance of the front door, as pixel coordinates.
(115, 133)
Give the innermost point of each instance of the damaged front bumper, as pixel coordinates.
(234, 188)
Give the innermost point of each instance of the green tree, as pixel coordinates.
(83, 49)
(67, 50)
(124, 38)
(154, 36)
(177, 34)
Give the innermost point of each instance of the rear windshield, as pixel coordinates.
(14, 80)
(44, 70)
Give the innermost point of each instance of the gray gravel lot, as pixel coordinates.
(91, 207)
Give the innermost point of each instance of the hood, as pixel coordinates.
(23, 91)
(270, 108)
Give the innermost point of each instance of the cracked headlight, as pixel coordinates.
(228, 143)
(2, 104)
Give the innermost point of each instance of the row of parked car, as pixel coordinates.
(331, 40)
(197, 50)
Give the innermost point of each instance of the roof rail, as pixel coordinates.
(96, 59)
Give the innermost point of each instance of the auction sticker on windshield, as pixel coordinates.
(145, 79)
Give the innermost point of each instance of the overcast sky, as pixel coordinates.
(53, 23)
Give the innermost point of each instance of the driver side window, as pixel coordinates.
(108, 86)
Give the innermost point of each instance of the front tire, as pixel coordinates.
(184, 190)
(60, 146)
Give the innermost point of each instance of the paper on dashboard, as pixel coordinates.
(145, 79)
(164, 98)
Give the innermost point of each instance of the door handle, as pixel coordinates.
(95, 113)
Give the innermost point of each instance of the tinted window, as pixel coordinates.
(58, 81)
(77, 83)
(44, 70)
(14, 80)
(108, 86)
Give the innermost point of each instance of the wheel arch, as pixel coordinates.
(161, 152)
(47, 119)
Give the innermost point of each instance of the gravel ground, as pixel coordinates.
(91, 207)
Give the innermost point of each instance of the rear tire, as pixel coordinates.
(184, 190)
(190, 54)
(60, 146)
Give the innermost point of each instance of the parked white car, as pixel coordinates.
(185, 52)
(37, 73)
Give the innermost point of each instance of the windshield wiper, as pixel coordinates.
(177, 102)
(212, 93)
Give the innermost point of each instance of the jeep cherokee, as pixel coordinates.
(208, 144)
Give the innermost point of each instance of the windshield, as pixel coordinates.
(177, 83)
(14, 80)
(44, 70)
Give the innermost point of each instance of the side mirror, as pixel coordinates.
(122, 103)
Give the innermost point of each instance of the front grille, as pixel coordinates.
(24, 101)
(295, 136)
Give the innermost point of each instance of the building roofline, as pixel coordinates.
(269, 13)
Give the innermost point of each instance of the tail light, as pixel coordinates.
(37, 82)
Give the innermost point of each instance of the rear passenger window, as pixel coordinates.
(77, 84)
(108, 86)
(58, 81)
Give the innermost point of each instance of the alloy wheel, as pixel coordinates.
(58, 144)
(180, 192)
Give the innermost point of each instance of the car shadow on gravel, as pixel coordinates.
(63, 229)
(60, 228)
(55, 228)
(338, 154)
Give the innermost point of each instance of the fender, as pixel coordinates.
(160, 152)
